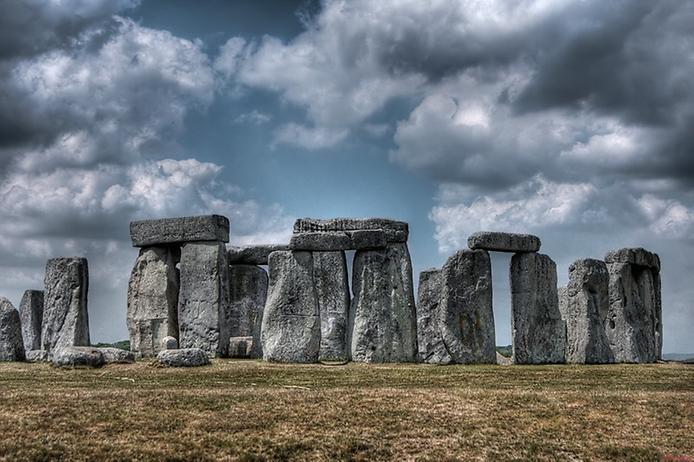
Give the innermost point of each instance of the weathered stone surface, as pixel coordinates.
(39, 356)
(537, 328)
(153, 299)
(587, 308)
(169, 343)
(31, 314)
(65, 316)
(563, 298)
(11, 344)
(332, 291)
(291, 321)
(176, 230)
(117, 356)
(254, 254)
(502, 360)
(396, 231)
(467, 318)
(78, 356)
(240, 347)
(634, 322)
(203, 299)
(185, 357)
(383, 308)
(248, 295)
(504, 242)
(431, 348)
(336, 241)
(635, 256)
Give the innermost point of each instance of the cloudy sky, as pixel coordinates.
(573, 120)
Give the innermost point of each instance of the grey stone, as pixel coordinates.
(504, 242)
(537, 329)
(562, 296)
(117, 356)
(332, 291)
(291, 322)
(203, 299)
(467, 318)
(635, 256)
(153, 300)
(587, 308)
(383, 309)
(502, 360)
(396, 231)
(185, 357)
(248, 290)
(240, 347)
(254, 254)
(78, 356)
(431, 348)
(65, 316)
(634, 322)
(39, 356)
(11, 344)
(336, 241)
(31, 314)
(169, 343)
(177, 230)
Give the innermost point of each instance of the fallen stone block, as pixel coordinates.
(11, 344)
(240, 347)
(169, 343)
(117, 356)
(39, 356)
(185, 357)
(65, 316)
(383, 308)
(395, 231)
(332, 291)
(31, 315)
(152, 312)
(178, 230)
(504, 242)
(431, 348)
(253, 254)
(78, 356)
(248, 291)
(537, 328)
(291, 325)
(634, 256)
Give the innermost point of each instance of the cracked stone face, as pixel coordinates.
(332, 290)
(248, 291)
(31, 314)
(11, 344)
(431, 348)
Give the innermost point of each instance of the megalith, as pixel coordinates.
(332, 291)
(537, 328)
(467, 318)
(203, 299)
(248, 292)
(65, 316)
(634, 322)
(31, 314)
(430, 346)
(586, 313)
(383, 308)
(291, 326)
(504, 242)
(11, 344)
(153, 299)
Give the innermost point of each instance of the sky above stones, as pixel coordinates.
(571, 120)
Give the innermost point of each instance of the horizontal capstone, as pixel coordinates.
(177, 230)
(504, 242)
(395, 231)
(635, 256)
(253, 254)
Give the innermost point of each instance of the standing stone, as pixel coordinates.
(203, 299)
(153, 300)
(291, 326)
(587, 309)
(248, 291)
(31, 314)
(11, 344)
(538, 331)
(383, 308)
(467, 318)
(65, 317)
(332, 291)
(634, 326)
(431, 348)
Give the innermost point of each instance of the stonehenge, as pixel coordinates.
(31, 315)
(11, 343)
(248, 292)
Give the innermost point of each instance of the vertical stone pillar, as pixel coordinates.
(11, 344)
(248, 291)
(65, 317)
(537, 329)
(587, 308)
(31, 314)
(332, 290)
(153, 299)
(291, 327)
(467, 317)
(431, 348)
(203, 299)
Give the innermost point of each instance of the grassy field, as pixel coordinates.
(248, 410)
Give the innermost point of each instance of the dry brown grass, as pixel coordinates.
(247, 410)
